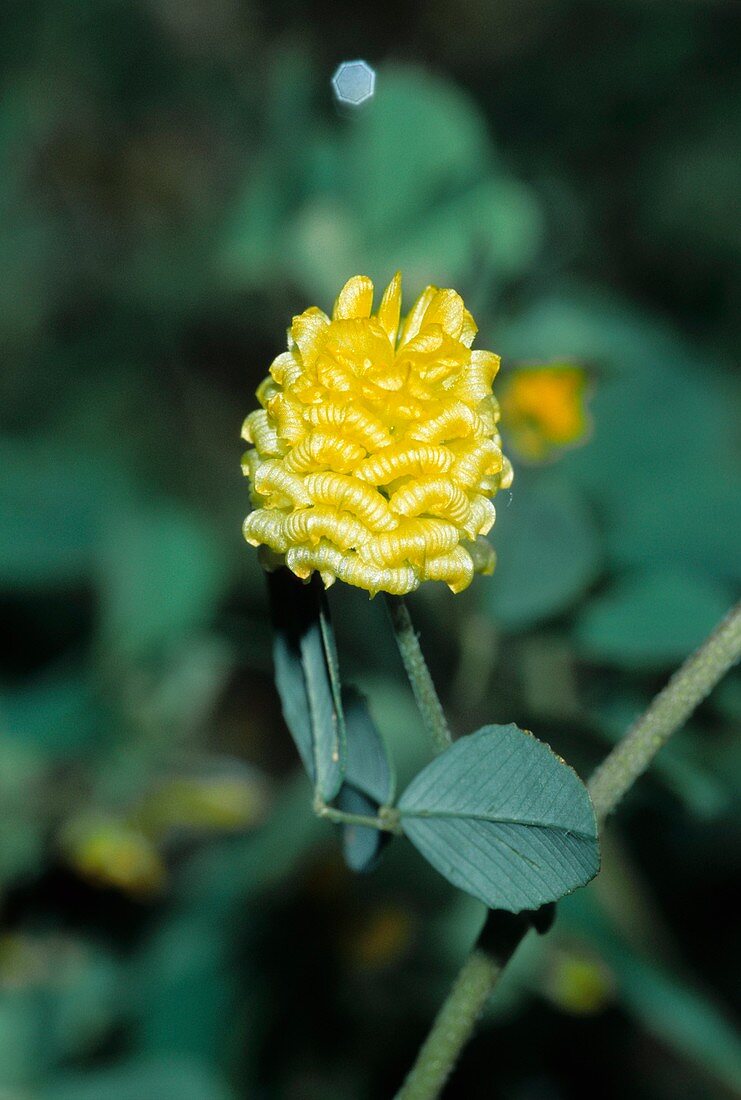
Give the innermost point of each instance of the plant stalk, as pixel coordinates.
(667, 713)
(387, 819)
(414, 662)
(452, 1028)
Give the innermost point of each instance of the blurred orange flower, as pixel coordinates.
(545, 409)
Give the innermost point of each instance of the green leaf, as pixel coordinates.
(369, 781)
(548, 553)
(652, 619)
(178, 1005)
(423, 133)
(167, 1078)
(162, 570)
(333, 667)
(52, 502)
(682, 1017)
(368, 765)
(361, 844)
(289, 680)
(56, 712)
(307, 679)
(502, 817)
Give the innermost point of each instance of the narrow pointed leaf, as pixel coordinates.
(368, 765)
(291, 685)
(330, 654)
(503, 818)
(369, 781)
(304, 681)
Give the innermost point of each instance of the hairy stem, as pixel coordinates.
(452, 1028)
(612, 779)
(419, 675)
(669, 711)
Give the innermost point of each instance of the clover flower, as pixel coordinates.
(545, 409)
(375, 452)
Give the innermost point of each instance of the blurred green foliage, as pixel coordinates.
(175, 183)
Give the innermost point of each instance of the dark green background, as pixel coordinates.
(175, 183)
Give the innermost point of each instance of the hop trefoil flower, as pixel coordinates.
(375, 453)
(545, 408)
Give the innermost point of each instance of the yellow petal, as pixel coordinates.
(446, 309)
(455, 421)
(414, 319)
(359, 342)
(307, 332)
(487, 362)
(404, 459)
(469, 329)
(354, 300)
(389, 310)
(475, 384)
(265, 526)
(286, 368)
(455, 569)
(432, 496)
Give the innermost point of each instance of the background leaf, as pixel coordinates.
(162, 569)
(652, 619)
(174, 1078)
(548, 552)
(54, 502)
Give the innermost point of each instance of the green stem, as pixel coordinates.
(419, 675)
(387, 819)
(452, 1027)
(667, 713)
(612, 779)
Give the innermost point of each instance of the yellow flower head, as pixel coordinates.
(545, 409)
(375, 452)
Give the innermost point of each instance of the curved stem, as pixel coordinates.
(611, 780)
(419, 675)
(669, 710)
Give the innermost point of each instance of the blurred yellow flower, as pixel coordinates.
(578, 982)
(545, 409)
(375, 452)
(113, 853)
(217, 803)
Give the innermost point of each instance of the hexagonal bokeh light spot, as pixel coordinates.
(354, 83)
